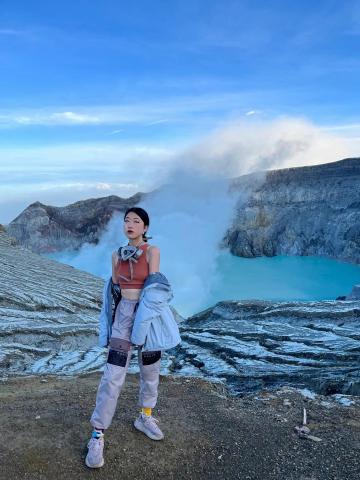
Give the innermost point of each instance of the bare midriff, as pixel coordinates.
(131, 293)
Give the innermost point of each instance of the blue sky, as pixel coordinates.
(94, 92)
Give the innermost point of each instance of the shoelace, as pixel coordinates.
(150, 418)
(95, 443)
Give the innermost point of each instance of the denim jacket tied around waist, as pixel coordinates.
(155, 327)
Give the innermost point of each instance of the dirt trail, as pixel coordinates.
(208, 434)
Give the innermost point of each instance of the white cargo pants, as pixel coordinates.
(119, 356)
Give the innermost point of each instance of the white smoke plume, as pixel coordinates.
(190, 213)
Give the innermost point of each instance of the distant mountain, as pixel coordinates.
(312, 210)
(43, 228)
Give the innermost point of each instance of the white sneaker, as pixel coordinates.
(94, 457)
(147, 425)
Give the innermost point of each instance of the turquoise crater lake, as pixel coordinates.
(279, 278)
(283, 278)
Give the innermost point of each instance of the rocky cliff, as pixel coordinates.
(43, 228)
(48, 312)
(311, 210)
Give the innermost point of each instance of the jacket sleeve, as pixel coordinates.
(104, 333)
(142, 321)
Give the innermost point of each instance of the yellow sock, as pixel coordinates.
(146, 410)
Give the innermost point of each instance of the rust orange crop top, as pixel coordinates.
(140, 270)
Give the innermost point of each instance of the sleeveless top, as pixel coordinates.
(133, 276)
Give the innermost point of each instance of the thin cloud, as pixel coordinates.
(344, 127)
(81, 186)
(171, 109)
(72, 117)
(252, 112)
(113, 156)
(115, 132)
(157, 122)
(11, 31)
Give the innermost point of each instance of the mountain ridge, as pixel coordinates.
(308, 210)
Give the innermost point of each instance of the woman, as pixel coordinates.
(141, 261)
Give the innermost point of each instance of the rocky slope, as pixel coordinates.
(48, 312)
(49, 315)
(49, 324)
(252, 344)
(312, 210)
(43, 228)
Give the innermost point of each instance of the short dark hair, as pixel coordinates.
(144, 217)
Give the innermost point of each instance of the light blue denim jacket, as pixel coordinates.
(155, 327)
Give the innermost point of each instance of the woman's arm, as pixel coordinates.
(114, 259)
(154, 259)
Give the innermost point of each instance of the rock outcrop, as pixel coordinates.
(313, 210)
(43, 228)
(354, 294)
(256, 344)
(48, 313)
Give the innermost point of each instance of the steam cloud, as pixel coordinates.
(190, 213)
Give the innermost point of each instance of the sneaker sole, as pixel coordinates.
(94, 466)
(139, 426)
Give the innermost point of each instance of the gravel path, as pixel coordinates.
(208, 434)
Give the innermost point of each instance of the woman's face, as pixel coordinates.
(133, 226)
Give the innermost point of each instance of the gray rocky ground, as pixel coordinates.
(254, 344)
(45, 428)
